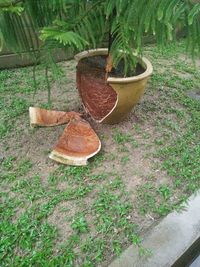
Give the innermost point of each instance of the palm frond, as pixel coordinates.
(68, 38)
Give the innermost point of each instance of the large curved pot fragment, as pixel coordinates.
(109, 101)
(77, 144)
(44, 117)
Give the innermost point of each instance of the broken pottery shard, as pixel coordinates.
(78, 143)
(44, 117)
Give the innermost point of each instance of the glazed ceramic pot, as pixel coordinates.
(110, 101)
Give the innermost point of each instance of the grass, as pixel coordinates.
(55, 215)
(122, 138)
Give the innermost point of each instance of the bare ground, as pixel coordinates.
(132, 159)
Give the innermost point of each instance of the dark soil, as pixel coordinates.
(97, 95)
(98, 63)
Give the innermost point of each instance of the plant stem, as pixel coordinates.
(34, 79)
(111, 37)
(89, 9)
(48, 85)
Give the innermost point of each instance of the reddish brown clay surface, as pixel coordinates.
(97, 96)
(44, 117)
(78, 140)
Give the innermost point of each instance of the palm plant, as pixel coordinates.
(35, 26)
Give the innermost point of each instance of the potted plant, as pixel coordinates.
(111, 80)
(106, 96)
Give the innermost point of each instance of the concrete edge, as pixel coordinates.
(168, 240)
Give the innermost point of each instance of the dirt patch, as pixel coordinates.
(60, 218)
(127, 153)
(195, 94)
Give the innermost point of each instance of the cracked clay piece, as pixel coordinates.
(77, 144)
(44, 117)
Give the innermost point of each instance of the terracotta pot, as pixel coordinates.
(109, 102)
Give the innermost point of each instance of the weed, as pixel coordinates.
(122, 138)
(125, 159)
(159, 141)
(24, 167)
(165, 191)
(79, 224)
(137, 128)
(187, 68)
(8, 163)
(117, 183)
(116, 247)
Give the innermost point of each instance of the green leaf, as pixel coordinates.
(193, 13)
(68, 38)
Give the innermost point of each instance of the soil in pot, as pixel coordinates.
(97, 95)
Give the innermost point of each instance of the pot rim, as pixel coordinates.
(104, 51)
